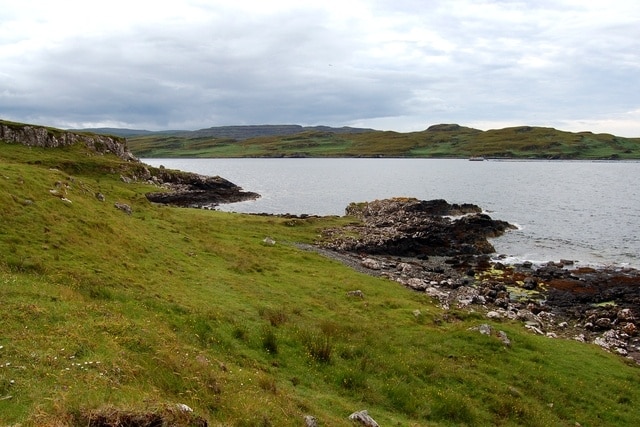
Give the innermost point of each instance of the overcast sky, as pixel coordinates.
(388, 64)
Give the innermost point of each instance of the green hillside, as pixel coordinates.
(446, 141)
(112, 316)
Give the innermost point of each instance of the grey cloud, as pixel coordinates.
(441, 62)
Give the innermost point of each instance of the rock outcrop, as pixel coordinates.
(196, 191)
(40, 136)
(411, 227)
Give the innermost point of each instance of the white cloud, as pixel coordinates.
(394, 64)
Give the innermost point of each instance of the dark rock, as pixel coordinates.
(411, 227)
(530, 283)
(603, 323)
(197, 191)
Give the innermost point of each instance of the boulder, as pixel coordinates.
(310, 421)
(363, 417)
(123, 207)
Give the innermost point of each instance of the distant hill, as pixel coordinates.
(242, 133)
(239, 133)
(126, 133)
(437, 141)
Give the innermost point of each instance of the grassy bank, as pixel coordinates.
(104, 312)
(440, 141)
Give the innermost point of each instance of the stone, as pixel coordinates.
(436, 293)
(603, 323)
(371, 264)
(629, 328)
(534, 329)
(123, 207)
(363, 418)
(625, 315)
(268, 241)
(493, 315)
(610, 340)
(484, 329)
(184, 408)
(356, 294)
(528, 317)
(310, 421)
(502, 335)
(404, 267)
(530, 283)
(415, 283)
(465, 295)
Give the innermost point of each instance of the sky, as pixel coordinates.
(399, 65)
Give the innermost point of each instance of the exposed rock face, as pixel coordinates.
(39, 136)
(411, 227)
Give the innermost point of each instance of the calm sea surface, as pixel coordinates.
(580, 210)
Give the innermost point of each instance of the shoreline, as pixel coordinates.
(443, 250)
(584, 304)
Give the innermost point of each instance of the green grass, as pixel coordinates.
(136, 312)
(449, 141)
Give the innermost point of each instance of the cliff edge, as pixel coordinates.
(41, 136)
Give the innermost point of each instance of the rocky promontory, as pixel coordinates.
(442, 250)
(417, 228)
(187, 189)
(179, 188)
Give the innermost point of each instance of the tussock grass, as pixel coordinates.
(108, 313)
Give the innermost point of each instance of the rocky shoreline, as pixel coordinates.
(192, 190)
(442, 250)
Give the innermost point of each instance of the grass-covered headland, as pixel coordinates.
(112, 316)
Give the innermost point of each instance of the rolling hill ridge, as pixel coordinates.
(437, 141)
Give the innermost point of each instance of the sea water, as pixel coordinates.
(588, 211)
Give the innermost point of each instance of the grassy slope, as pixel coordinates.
(102, 309)
(517, 142)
